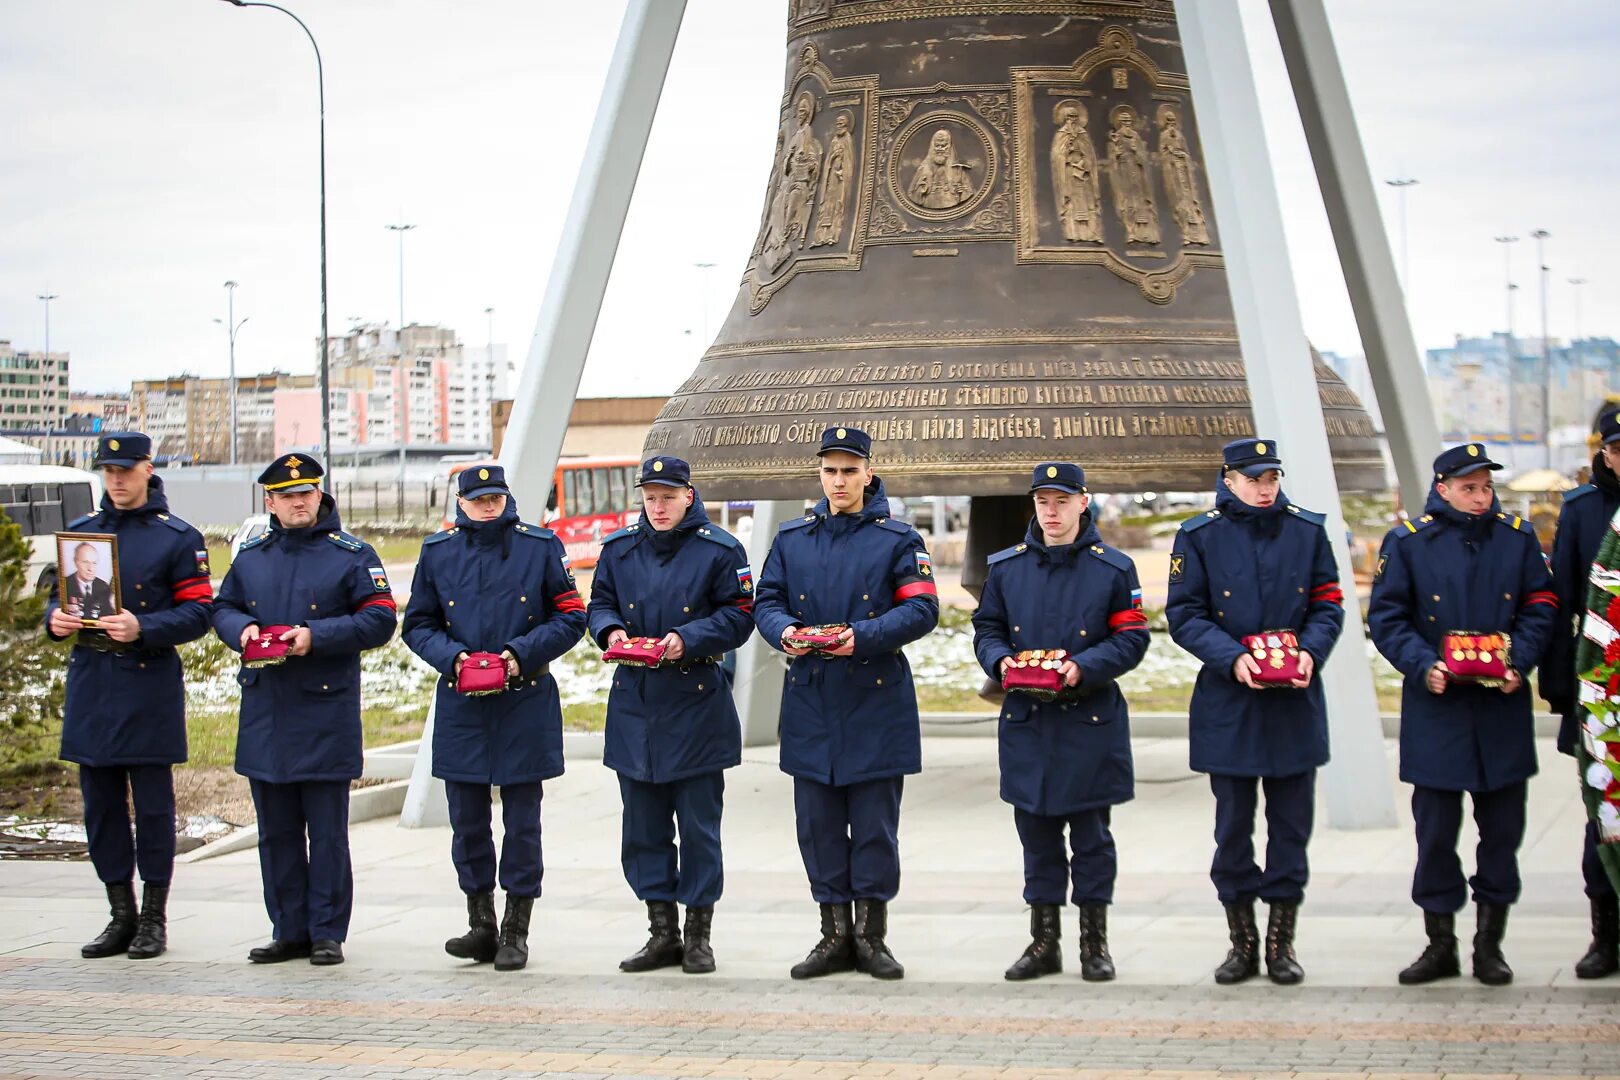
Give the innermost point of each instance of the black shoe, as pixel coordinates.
(872, 953)
(326, 953)
(1243, 959)
(480, 941)
(121, 930)
(1044, 954)
(279, 952)
(836, 949)
(1095, 963)
(1603, 955)
(663, 948)
(1490, 966)
(1281, 964)
(697, 958)
(513, 952)
(152, 927)
(1439, 958)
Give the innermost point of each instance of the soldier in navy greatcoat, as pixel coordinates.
(850, 731)
(672, 731)
(1582, 523)
(1065, 762)
(298, 742)
(494, 584)
(1256, 564)
(1464, 567)
(124, 719)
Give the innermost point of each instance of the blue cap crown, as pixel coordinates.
(1609, 427)
(1461, 460)
(291, 473)
(479, 480)
(850, 440)
(1251, 457)
(1058, 476)
(122, 448)
(669, 471)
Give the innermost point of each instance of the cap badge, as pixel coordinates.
(483, 474)
(112, 444)
(293, 462)
(1260, 448)
(842, 434)
(658, 466)
(293, 473)
(1051, 471)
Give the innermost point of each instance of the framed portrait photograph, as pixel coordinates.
(87, 575)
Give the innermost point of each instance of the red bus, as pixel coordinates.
(597, 497)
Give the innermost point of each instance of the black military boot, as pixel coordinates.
(1243, 959)
(1281, 966)
(696, 956)
(1044, 955)
(1603, 955)
(513, 952)
(836, 949)
(872, 953)
(152, 927)
(1490, 966)
(663, 948)
(1439, 959)
(121, 930)
(481, 941)
(1095, 963)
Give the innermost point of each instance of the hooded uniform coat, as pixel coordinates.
(1448, 572)
(1582, 522)
(488, 587)
(1072, 754)
(1235, 571)
(670, 723)
(849, 719)
(300, 720)
(129, 708)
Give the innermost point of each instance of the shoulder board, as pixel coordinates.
(248, 545)
(1200, 520)
(1413, 525)
(1579, 493)
(441, 536)
(179, 525)
(77, 523)
(345, 541)
(715, 535)
(1307, 515)
(1112, 556)
(894, 526)
(628, 530)
(1007, 553)
(796, 523)
(1514, 521)
(523, 528)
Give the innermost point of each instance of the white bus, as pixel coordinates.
(42, 499)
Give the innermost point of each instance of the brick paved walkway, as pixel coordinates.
(171, 1019)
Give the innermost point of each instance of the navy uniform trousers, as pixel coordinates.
(1438, 885)
(1048, 869)
(304, 858)
(1598, 884)
(849, 837)
(106, 790)
(472, 846)
(1290, 813)
(694, 873)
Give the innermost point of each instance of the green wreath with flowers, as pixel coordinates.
(1597, 662)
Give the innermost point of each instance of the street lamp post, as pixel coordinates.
(1540, 236)
(1507, 243)
(231, 327)
(400, 230)
(326, 345)
(1400, 184)
(47, 296)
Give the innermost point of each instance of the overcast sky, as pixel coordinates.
(151, 149)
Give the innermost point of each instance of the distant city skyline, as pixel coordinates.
(169, 148)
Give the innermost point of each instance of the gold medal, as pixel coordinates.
(1456, 654)
(1484, 657)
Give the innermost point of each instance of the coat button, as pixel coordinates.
(452, 603)
(253, 603)
(137, 586)
(633, 607)
(143, 603)
(1431, 618)
(312, 607)
(880, 682)
(700, 686)
(1507, 596)
(865, 596)
(686, 609)
(801, 596)
(1226, 592)
(1016, 629)
(325, 687)
(143, 667)
(1082, 633)
(1220, 614)
(1302, 588)
(1437, 597)
(523, 599)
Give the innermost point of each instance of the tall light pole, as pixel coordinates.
(1540, 236)
(1400, 184)
(1577, 282)
(400, 230)
(231, 327)
(1507, 243)
(326, 345)
(47, 296)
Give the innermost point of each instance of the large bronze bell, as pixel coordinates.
(987, 239)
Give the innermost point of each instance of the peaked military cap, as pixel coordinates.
(668, 471)
(1609, 427)
(1251, 457)
(121, 448)
(291, 473)
(1461, 460)
(481, 480)
(850, 440)
(1058, 476)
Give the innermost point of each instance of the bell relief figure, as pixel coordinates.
(835, 179)
(1180, 178)
(941, 181)
(1074, 176)
(799, 173)
(1128, 167)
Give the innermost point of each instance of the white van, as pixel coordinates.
(42, 499)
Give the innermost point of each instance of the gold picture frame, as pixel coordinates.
(99, 596)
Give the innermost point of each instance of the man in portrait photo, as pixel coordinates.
(88, 596)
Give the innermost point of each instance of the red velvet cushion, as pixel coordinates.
(819, 639)
(1474, 657)
(266, 650)
(1035, 672)
(481, 673)
(1277, 653)
(636, 652)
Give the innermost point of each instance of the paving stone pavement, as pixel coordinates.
(401, 1008)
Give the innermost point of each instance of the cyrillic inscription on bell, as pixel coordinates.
(987, 240)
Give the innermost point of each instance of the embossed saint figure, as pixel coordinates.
(774, 193)
(789, 226)
(941, 181)
(1074, 176)
(835, 178)
(1180, 178)
(1128, 163)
